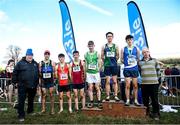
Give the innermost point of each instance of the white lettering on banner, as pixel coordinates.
(67, 28)
(136, 25)
(69, 44)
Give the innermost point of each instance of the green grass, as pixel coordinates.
(10, 117)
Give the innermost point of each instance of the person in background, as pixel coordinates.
(175, 79)
(167, 72)
(9, 72)
(26, 76)
(166, 91)
(149, 86)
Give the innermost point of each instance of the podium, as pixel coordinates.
(116, 109)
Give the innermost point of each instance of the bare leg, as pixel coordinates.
(83, 101)
(127, 89)
(69, 101)
(107, 87)
(60, 102)
(52, 99)
(76, 99)
(43, 100)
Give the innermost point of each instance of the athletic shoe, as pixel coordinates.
(127, 103)
(136, 103)
(70, 111)
(61, 110)
(99, 105)
(107, 98)
(116, 98)
(21, 119)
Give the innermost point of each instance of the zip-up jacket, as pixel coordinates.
(26, 74)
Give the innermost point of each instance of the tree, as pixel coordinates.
(13, 52)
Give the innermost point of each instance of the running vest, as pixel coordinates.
(62, 73)
(91, 62)
(77, 73)
(130, 58)
(47, 72)
(110, 55)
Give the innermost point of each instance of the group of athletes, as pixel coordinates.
(75, 74)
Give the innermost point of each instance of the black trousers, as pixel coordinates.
(24, 92)
(150, 92)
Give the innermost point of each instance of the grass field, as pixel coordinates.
(10, 117)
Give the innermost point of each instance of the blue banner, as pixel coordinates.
(67, 28)
(136, 26)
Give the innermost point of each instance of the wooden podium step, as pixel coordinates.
(117, 109)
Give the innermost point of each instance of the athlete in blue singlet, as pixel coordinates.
(130, 56)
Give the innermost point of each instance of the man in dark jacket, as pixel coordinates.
(26, 75)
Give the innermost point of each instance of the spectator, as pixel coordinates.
(175, 79)
(26, 75)
(165, 89)
(167, 72)
(148, 69)
(9, 71)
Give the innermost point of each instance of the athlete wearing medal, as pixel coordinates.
(93, 64)
(110, 55)
(130, 57)
(78, 79)
(47, 72)
(63, 75)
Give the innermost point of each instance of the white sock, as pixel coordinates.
(136, 100)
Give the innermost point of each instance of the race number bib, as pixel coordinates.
(64, 76)
(46, 75)
(110, 54)
(92, 66)
(76, 69)
(132, 60)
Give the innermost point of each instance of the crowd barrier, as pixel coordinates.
(171, 96)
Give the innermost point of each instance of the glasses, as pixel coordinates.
(110, 36)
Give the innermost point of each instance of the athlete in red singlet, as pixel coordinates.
(78, 78)
(63, 73)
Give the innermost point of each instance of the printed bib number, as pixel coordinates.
(92, 66)
(132, 60)
(64, 76)
(76, 69)
(46, 75)
(110, 54)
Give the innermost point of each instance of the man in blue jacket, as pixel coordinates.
(26, 76)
